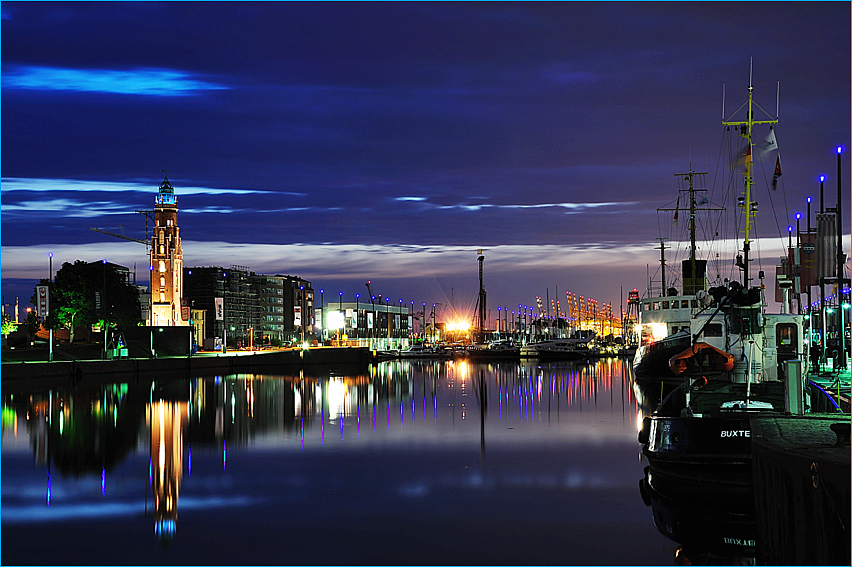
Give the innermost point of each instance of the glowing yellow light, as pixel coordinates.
(458, 326)
(654, 332)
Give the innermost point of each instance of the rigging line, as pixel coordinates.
(757, 247)
(774, 210)
(722, 219)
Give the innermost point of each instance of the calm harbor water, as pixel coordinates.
(409, 462)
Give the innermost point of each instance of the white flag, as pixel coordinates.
(769, 143)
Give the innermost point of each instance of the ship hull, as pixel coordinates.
(651, 362)
(706, 451)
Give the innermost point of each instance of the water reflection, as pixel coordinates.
(712, 528)
(78, 433)
(167, 422)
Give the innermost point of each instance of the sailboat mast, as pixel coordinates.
(749, 207)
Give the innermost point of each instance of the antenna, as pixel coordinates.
(723, 102)
(750, 68)
(777, 99)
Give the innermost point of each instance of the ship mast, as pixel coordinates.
(749, 207)
(692, 209)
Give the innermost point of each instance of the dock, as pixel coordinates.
(801, 488)
(24, 375)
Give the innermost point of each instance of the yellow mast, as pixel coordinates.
(749, 207)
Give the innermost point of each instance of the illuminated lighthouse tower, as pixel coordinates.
(166, 261)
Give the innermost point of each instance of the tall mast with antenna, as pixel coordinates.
(691, 287)
(745, 202)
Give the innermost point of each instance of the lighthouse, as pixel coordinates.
(166, 262)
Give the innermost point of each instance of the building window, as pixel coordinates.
(162, 297)
(162, 266)
(162, 281)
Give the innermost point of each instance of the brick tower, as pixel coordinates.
(166, 261)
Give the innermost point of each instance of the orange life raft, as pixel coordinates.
(701, 357)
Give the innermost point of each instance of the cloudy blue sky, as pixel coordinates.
(342, 142)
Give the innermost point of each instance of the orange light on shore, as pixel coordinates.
(458, 326)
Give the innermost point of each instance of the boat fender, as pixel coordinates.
(644, 432)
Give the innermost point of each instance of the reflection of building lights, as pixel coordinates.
(167, 420)
(297, 403)
(165, 529)
(336, 395)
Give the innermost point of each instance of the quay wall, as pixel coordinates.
(800, 471)
(28, 375)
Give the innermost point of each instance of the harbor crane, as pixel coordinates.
(372, 297)
(149, 215)
(121, 235)
(480, 300)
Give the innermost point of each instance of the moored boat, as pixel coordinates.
(425, 351)
(575, 348)
(495, 350)
(726, 360)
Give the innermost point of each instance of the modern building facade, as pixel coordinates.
(249, 308)
(381, 325)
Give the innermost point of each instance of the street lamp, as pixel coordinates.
(103, 310)
(50, 332)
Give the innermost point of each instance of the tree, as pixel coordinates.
(9, 325)
(79, 287)
(31, 325)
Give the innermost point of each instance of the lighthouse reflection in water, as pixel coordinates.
(403, 450)
(167, 422)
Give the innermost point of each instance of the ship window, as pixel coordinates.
(786, 337)
(713, 330)
(665, 304)
(684, 304)
(695, 304)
